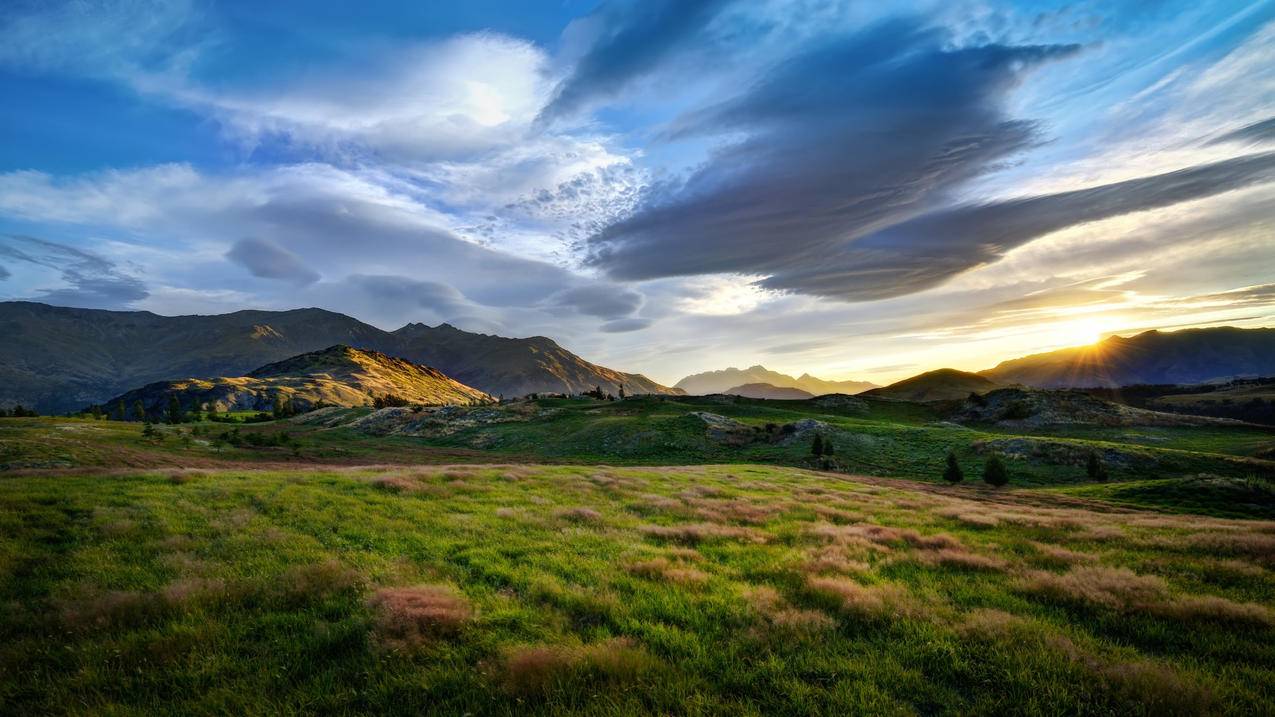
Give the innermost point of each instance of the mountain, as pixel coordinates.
(513, 367)
(60, 359)
(702, 384)
(1152, 357)
(339, 375)
(944, 384)
(765, 390)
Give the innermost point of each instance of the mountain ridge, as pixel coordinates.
(722, 380)
(63, 358)
(1185, 356)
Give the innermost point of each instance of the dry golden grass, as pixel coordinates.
(537, 670)
(580, 514)
(696, 533)
(1059, 554)
(668, 571)
(831, 559)
(779, 615)
(407, 617)
(192, 591)
(396, 484)
(871, 601)
(1116, 588)
(961, 558)
(1159, 689)
(989, 624)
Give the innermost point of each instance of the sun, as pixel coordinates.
(1077, 332)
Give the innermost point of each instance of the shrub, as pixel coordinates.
(1094, 467)
(952, 473)
(994, 471)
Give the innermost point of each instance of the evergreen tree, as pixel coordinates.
(994, 471)
(95, 412)
(175, 413)
(148, 431)
(827, 447)
(816, 448)
(211, 410)
(139, 411)
(1094, 467)
(622, 393)
(3, 413)
(118, 414)
(952, 473)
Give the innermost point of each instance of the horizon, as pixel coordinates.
(795, 373)
(857, 193)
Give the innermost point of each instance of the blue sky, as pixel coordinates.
(857, 190)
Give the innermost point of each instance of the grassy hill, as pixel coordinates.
(336, 376)
(765, 390)
(945, 384)
(564, 590)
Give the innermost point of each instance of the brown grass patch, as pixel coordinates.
(580, 514)
(1211, 608)
(696, 533)
(837, 515)
(193, 591)
(1116, 588)
(1059, 554)
(396, 484)
(870, 601)
(407, 617)
(318, 580)
(831, 559)
(737, 510)
(969, 517)
(1255, 545)
(667, 571)
(772, 608)
(536, 671)
(961, 558)
(109, 609)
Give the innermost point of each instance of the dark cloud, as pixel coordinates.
(637, 36)
(851, 136)
(624, 325)
(923, 252)
(268, 260)
(1256, 133)
(93, 282)
(4, 273)
(402, 291)
(606, 301)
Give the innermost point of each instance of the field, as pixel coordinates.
(617, 558)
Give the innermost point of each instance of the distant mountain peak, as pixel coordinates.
(725, 379)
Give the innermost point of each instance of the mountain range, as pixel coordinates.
(337, 376)
(702, 384)
(59, 359)
(1188, 356)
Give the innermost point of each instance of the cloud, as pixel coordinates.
(1256, 133)
(607, 301)
(850, 136)
(91, 281)
(921, 253)
(442, 299)
(4, 273)
(635, 38)
(625, 325)
(268, 260)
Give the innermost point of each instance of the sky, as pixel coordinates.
(854, 190)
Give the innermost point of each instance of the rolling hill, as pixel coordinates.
(945, 384)
(60, 359)
(338, 376)
(702, 384)
(765, 390)
(1188, 356)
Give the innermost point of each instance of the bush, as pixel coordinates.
(994, 471)
(952, 473)
(1094, 467)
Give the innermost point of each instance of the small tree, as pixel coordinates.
(952, 473)
(139, 411)
(994, 471)
(816, 448)
(175, 413)
(1094, 467)
(118, 413)
(827, 447)
(149, 432)
(623, 395)
(95, 412)
(211, 410)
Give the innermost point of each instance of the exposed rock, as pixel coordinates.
(725, 430)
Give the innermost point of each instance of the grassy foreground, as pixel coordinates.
(736, 589)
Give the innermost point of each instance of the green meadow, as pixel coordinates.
(614, 558)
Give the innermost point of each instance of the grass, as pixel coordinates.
(586, 589)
